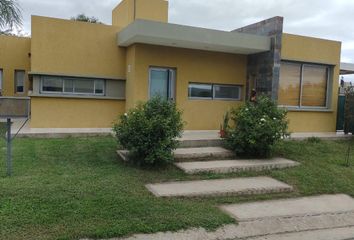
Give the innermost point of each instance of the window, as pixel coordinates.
(230, 92)
(214, 91)
(162, 82)
(197, 90)
(303, 85)
(19, 81)
(1, 81)
(79, 86)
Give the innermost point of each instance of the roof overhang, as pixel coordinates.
(346, 68)
(173, 35)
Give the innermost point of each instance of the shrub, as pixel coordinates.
(149, 131)
(257, 128)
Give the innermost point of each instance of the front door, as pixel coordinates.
(162, 83)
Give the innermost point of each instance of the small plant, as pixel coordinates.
(314, 140)
(150, 131)
(257, 128)
(224, 126)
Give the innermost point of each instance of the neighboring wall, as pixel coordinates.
(71, 48)
(14, 55)
(191, 66)
(314, 50)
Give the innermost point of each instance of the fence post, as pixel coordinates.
(8, 144)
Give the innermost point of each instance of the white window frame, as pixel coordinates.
(328, 86)
(16, 83)
(228, 86)
(171, 81)
(201, 98)
(63, 92)
(213, 85)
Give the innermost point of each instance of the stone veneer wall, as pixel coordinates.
(264, 68)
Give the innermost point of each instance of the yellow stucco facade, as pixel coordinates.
(129, 10)
(71, 49)
(14, 55)
(314, 50)
(74, 113)
(191, 66)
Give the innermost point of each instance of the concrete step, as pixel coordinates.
(202, 153)
(228, 166)
(193, 139)
(287, 208)
(234, 186)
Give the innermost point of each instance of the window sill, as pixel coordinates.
(76, 97)
(294, 109)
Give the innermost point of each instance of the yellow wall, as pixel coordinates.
(74, 113)
(129, 10)
(191, 66)
(314, 50)
(76, 48)
(14, 56)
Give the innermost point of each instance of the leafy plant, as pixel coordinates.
(257, 128)
(10, 14)
(149, 131)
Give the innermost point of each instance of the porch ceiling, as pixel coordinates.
(173, 35)
(346, 68)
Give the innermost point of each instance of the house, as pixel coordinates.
(83, 75)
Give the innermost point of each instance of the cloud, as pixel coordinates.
(332, 19)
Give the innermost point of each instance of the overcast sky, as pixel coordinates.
(332, 19)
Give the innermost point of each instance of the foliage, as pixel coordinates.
(314, 140)
(10, 14)
(83, 18)
(349, 110)
(257, 128)
(149, 131)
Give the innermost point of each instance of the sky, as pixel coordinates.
(330, 19)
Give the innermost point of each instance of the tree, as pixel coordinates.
(83, 18)
(10, 14)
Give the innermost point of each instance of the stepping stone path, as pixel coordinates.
(326, 217)
(202, 153)
(307, 206)
(234, 186)
(228, 166)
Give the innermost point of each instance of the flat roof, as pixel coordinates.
(180, 36)
(346, 68)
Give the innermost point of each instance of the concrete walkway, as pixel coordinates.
(189, 139)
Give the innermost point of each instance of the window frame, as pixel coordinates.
(16, 83)
(202, 98)
(171, 81)
(229, 86)
(239, 87)
(1, 80)
(329, 70)
(73, 93)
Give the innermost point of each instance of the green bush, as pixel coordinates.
(149, 131)
(257, 127)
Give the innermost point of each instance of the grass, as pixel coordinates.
(76, 188)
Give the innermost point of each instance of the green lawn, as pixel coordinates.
(76, 188)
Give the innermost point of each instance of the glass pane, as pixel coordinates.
(159, 83)
(99, 86)
(200, 90)
(52, 84)
(226, 92)
(314, 86)
(84, 86)
(19, 81)
(68, 85)
(289, 84)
